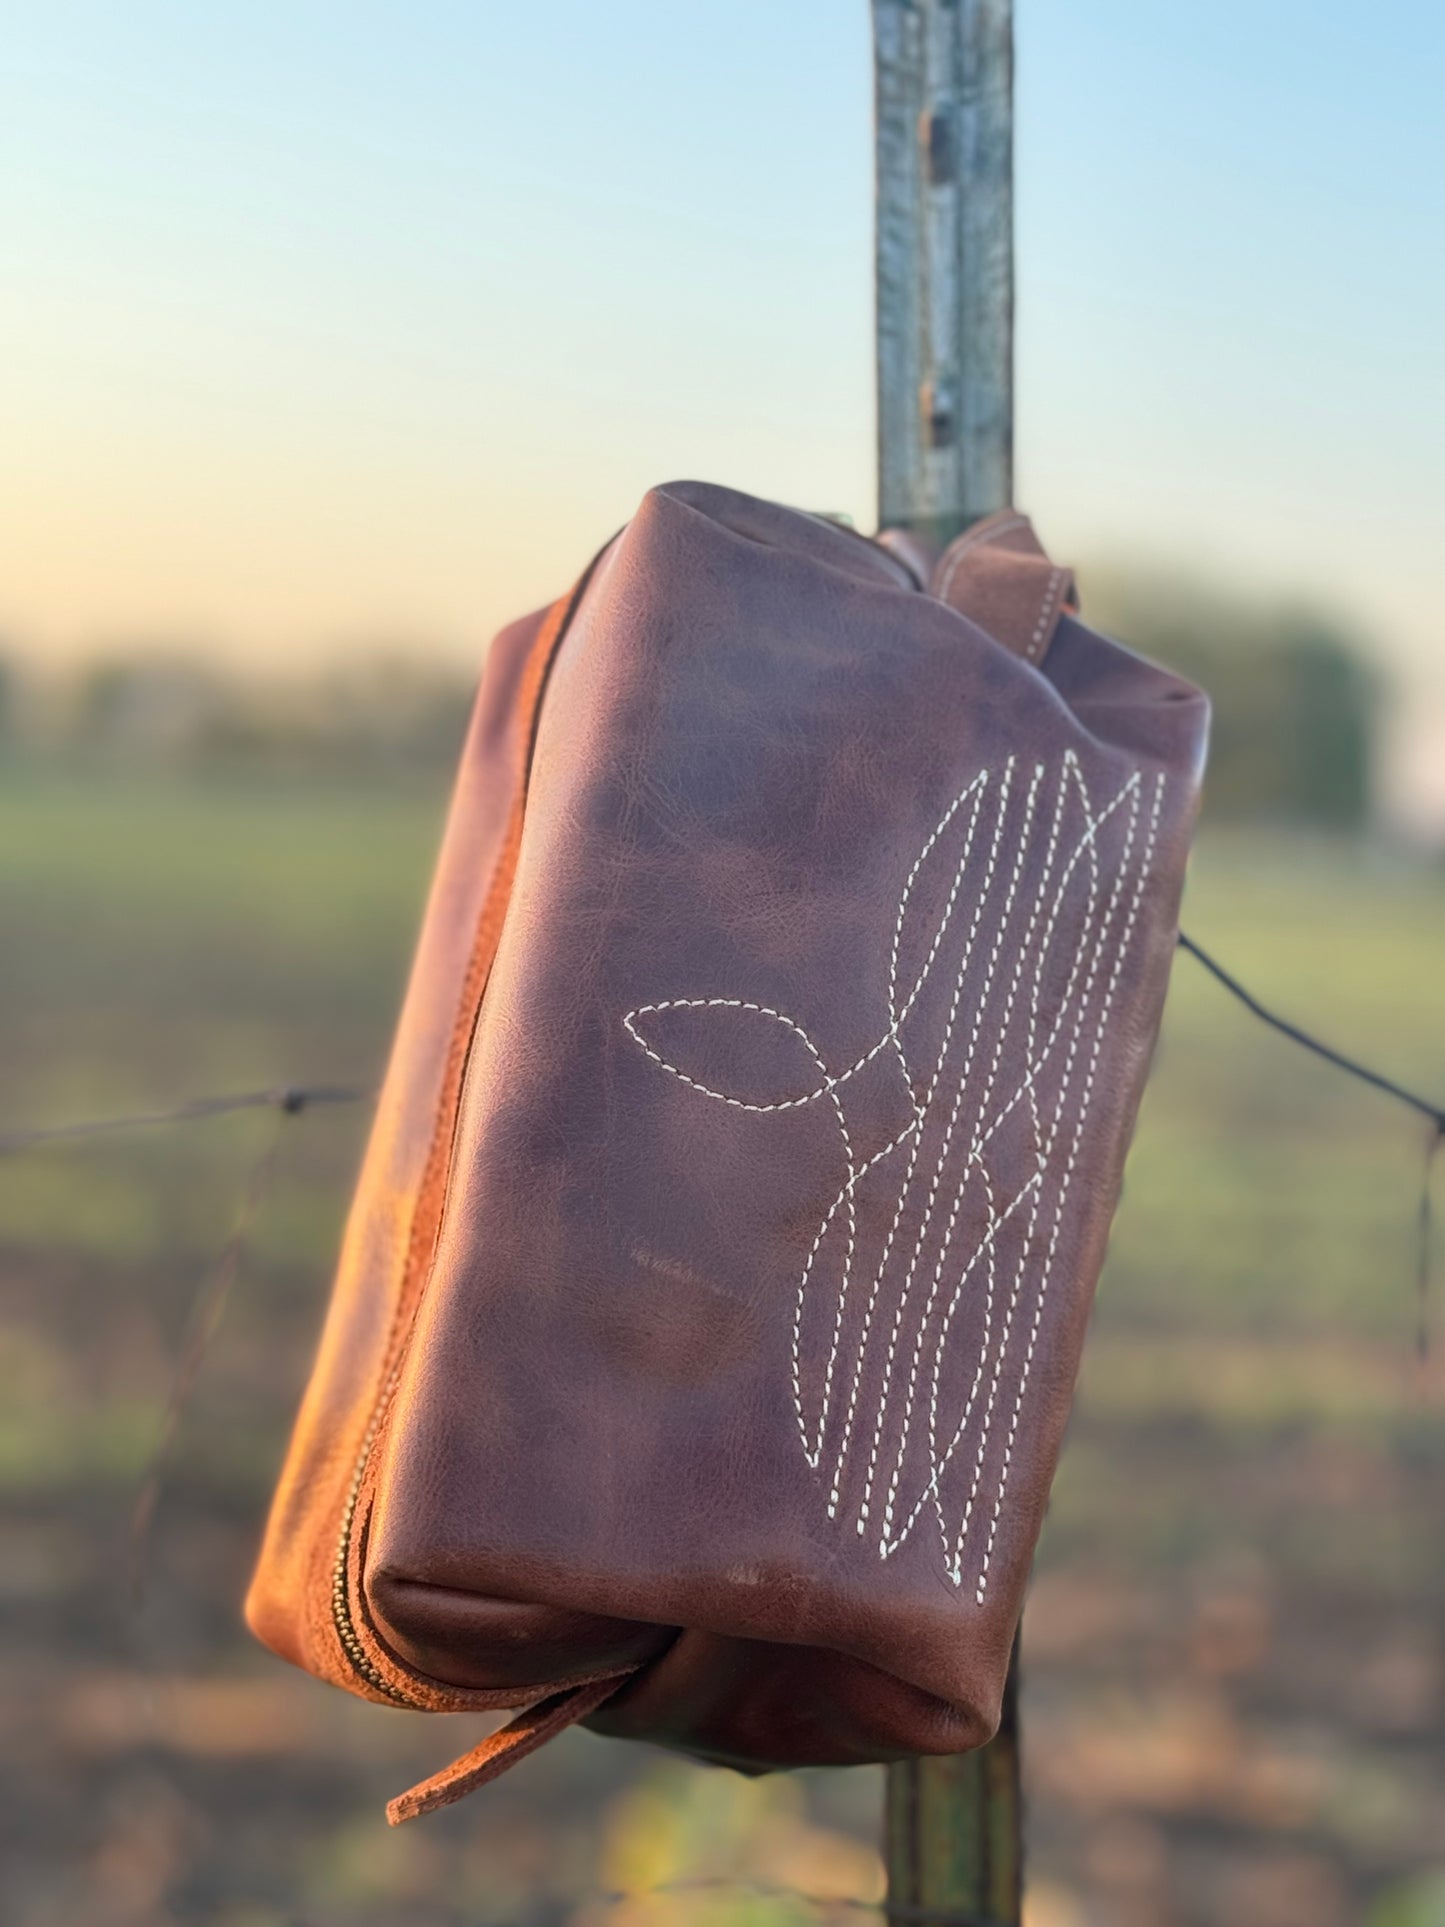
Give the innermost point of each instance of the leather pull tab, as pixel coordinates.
(502, 1750)
(997, 574)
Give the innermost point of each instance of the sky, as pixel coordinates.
(325, 327)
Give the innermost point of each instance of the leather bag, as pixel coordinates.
(716, 1281)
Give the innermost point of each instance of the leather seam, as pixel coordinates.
(979, 538)
(411, 1289)
(1039, 640)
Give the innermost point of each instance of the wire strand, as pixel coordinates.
(290, 1099)
(1425, 1245)
(1303, 1038)
(208, 1308)
(294, 1098)
(1424, 1217)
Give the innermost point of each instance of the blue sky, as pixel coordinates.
(320, 323)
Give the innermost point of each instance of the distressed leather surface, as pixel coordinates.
(717, 1279)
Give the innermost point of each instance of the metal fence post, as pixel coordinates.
(944, 92)
(944, 181)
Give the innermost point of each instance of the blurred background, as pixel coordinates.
(332, 337)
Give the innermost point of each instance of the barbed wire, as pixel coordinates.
(208, 1307)
(1297, 1035)
(290, 1099)
(202, 1323)
(1425, 1211)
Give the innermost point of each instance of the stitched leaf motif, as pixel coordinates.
(920, 1303)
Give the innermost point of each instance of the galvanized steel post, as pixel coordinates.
(944, 184)
(944, 94)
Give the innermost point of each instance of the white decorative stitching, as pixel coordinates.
(1067, 1181)
(1044, 1143)
(895, 1019)
(939, 1167)
(947, 1241)
(1036, 1060)
(981, 538)
(1037, 639)
(1100, 947)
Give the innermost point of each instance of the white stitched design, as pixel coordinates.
(1023, 902)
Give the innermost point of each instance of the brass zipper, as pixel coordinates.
(340, 1592)
(341, 1614)
(471, 999)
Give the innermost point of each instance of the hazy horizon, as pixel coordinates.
(323, 324)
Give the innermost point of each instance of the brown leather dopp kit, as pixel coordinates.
(715, 1286)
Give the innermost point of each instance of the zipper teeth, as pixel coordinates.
(340, 1592)
(341, 1614)
(472, 989)
(471, 992)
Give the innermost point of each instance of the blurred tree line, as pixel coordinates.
(176, 709)
(1295, 704)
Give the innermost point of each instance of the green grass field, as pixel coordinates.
(1235, 1668)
